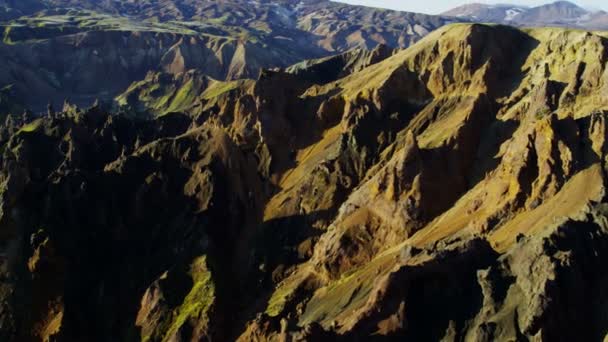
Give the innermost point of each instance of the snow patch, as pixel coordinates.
(585, 17)
(511, 13)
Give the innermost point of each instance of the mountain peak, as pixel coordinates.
(559, 13)
(563, 3)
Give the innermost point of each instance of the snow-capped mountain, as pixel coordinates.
(560, 13)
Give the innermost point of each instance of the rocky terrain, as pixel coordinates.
(559, 13)
(54, 50)
(454, 190)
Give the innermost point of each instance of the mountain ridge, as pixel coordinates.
(226, 40)
(559, 13)
(407, 197)
(301, 171)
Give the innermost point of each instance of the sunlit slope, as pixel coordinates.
(476, 136)
(454, 190)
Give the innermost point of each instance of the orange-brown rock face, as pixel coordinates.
(450, 191)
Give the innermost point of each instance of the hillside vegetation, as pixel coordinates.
(454, 190)
(53, 50)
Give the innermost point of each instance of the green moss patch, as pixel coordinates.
(218, 88)
(31, 127)
(199, 300)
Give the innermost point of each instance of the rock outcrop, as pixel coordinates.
(454, 190)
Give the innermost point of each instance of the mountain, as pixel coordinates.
(560, 13)
(82, 50)
(453, 190)
(162, 93)
(487, 13)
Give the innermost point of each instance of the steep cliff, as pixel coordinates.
(454, 190)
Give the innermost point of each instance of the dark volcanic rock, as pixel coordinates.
(451, 191)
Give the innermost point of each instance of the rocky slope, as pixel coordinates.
(559, 13)
(161, 93)
(79, 50)
(454, 190)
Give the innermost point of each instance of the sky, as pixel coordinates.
(438, 6)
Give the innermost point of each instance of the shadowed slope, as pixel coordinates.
(454, 190)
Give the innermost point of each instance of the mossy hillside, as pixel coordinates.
(211, 29)
(217, 88)
(220, 20)
(6, 35)
(265, 29)
(31, 127)
(283, 294)
(161, 93)
(306, 175)
(183, 97)
(335, 302)
(63, 22)
(48, 26)
(198, 302)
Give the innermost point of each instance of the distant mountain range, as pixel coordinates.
(560, 13)
(85, 49)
